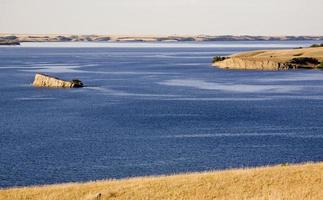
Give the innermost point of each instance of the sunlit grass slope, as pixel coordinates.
(295, 182)
(282, 55)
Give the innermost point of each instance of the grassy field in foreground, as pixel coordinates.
(278, 182)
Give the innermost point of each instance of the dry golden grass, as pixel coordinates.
(296, 182)
(282, 55)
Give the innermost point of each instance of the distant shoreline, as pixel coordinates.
(18, 38)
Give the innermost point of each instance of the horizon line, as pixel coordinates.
(156, 35)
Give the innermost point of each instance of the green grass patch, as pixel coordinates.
(320, 66)
(304, 61)
(219, 58)
(316, 45)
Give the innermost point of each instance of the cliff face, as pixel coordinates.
(42, 80)
(245, 64)
(273, 59)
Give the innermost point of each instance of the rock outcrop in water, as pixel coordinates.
(306, 58)
(42, 80)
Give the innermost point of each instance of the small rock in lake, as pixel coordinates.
(43, 80)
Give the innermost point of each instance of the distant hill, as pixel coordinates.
(113, 38)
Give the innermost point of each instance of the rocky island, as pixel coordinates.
(43, 80)
(305, 58)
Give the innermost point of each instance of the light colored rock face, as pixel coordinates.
(244, 64)
(42, 80)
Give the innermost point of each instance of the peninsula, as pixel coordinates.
(305, 58)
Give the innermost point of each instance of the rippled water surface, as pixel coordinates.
(150, 108)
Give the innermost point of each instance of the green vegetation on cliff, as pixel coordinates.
(320, 65)
(218, 58)
(316, 45)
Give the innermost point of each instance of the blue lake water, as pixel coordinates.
(149, 109)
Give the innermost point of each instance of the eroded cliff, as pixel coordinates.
(42, 80)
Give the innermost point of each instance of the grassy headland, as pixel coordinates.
(273, 59)
(297, 182)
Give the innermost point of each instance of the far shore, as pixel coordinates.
(134, 38)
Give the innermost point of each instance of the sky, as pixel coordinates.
(162, 17)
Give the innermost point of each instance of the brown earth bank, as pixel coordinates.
(295, 182)
(306, 58)
(127, 38)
